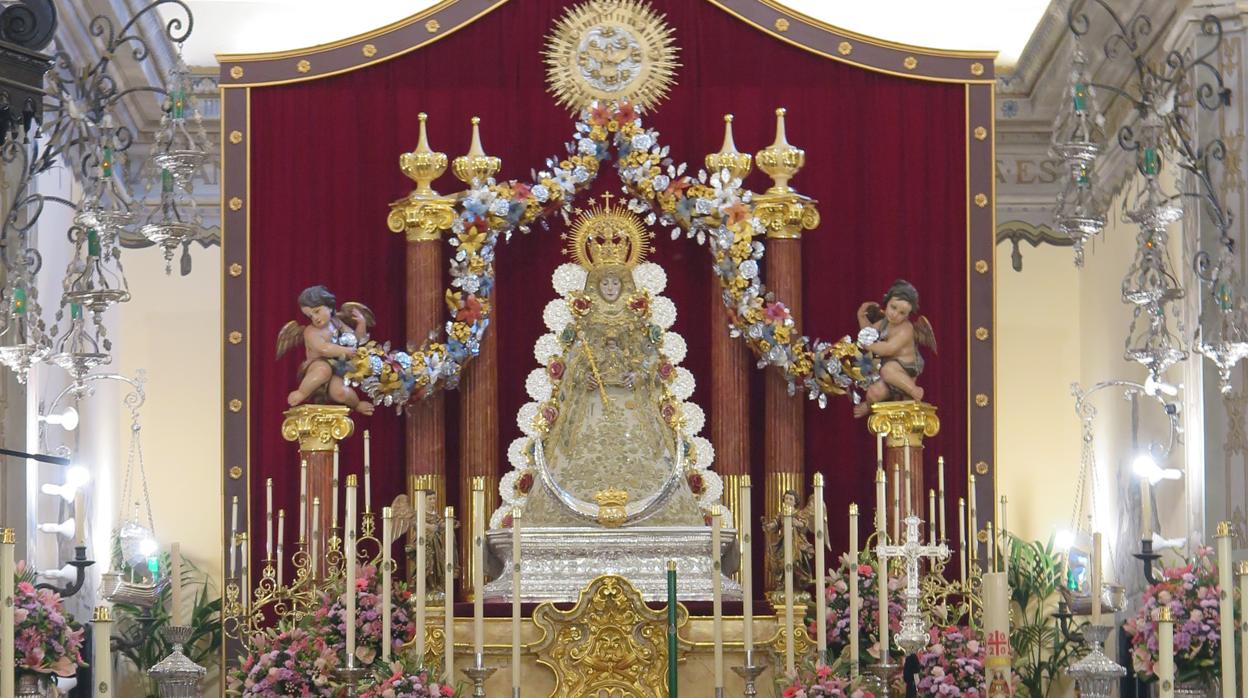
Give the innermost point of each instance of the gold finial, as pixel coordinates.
(423, 165)
(671, 565)
(744, 481)
(728, 158)
(448, 512)
(387, 513)
(853, 509)
(102, 614)
(475, 165)
(780, 160)
(1164, 615)
(1243, 567)
(8, 536)
(787, 509)
(352, 480)
(817, 480)
(1224, 530)
(880, 476)
(717, 510)
(478, 484)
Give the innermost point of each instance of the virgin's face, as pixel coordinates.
(318, 315)
(897, 311)
(609, 288)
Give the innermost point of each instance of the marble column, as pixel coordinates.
(730, 395)
(478, 443)
(425, 418)
(318, 429)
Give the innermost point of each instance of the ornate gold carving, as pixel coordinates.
(782, 24)
(235, 203)
(236, 137)
(981, 333)
(1223, 530)
(317, 427)
(476, 165)
(980, 133)
(977, 68)
(610, 50)
(981, 199)
(303, 66)
(611, 503)
(432, 26)
(236, 405)
(845, 48)
(369, 50)
(728, 157)
(236, 270)
(981, 266)
(8, 536)
(236, 337)
(236, 472)
(423, 214)
(605, 235)
(904, 423)
(982, 536)
(236, 72)
(784, 212)
(910, 62)
(981, 400)
(981, 468)
(609, 644)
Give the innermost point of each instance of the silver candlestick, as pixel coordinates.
(880, 676)
(749, 673)
(1095, 674)
(176, 676)
(478, 672)
(351, 676)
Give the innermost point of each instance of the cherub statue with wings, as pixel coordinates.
(435, 529)
(892, 332)
(330, 338)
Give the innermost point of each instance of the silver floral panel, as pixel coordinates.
(556, 563)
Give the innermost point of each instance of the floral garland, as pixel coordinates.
(535, 418)
(404, 683)
(952, 664)
(329, 620)
(1191, 593)
(287, 662)
(837, 596)
(47, 641)
(709, 208)
(820, 682)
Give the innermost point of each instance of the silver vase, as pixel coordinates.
(1095, 674)
(29, 686)
(176, 676)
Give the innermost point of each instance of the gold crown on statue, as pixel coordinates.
(605, 236)
(611, 497)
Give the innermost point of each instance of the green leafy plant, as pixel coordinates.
(1040, 649)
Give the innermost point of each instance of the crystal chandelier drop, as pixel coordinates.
(24, 340)
(1076, 142)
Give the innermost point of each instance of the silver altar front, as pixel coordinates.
(556, 563)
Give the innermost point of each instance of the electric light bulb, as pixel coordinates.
(1064, 539)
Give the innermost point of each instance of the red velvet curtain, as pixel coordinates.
(885, 157)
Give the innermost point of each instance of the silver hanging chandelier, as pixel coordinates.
(1077, 138)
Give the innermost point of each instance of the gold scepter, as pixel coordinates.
(593, 367)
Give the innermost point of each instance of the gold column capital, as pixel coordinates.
(904, 423)
(317, 427)
(424, 213)
(782, 211)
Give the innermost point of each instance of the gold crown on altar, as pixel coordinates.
(605, 236)
(611, 497)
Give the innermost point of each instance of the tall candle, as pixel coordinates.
(992, 545)
(516, 515)
(789, 657)
(962, 540)
(853, 590)
(478, 569)
(909, 491)
(316, 535)
(303, 501)
(881, 506)
(881, 577)
(896, 502)
(717, 601)
(80, 520)
(422, 543)
(1165, 653)
(349, 569)
(175, 583)
(8, 634)
(1243, 616)
(281, 544)
(974, 522)
(387, 542)
(996, 624)
(879, 450)
(1005, 540)
(1096, 578)
(368, 473)
(931, 517)
(268, 518)
(448, 615)
(821, 583)
(1226, 607)
(333, 482)
(747, 567)
(1146, 511)
(234, 536)
(940, 493)
(102, 659)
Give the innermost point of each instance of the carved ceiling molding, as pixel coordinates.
(1017, 232)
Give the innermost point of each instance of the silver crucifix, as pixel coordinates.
(913, 634)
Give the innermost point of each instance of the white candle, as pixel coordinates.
(747, 566)
(962, 540)
(387, 542)
(853, 590)
(1165, 653)
(1226, 608)
(717, 601)
(1005, 540)
(8, 634)
(1096, 578)
(896, 502)
(881, 578)
(909, 491)
(931, 517)
(316, 535)
(448, 616)
(281, 544)
(303, 501)
(244, 576)
(974, 523)
(268, 518)
(1146, 511)
(789, 657)
(940, 493)
(1243, 616)
(516, 515)
(879, 450)
(478, 569)
(80, 520)
(422, 533)
(101, 660)
(996, 625)
(881, 505)
(992, 546)
(348, 562)
(821, 582)
(368, 473)
(175, 583)
(234, 536)
(333, 482)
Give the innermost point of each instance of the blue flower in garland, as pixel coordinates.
(404, 359)
(485, 285)
(456, 350)
(374, 365)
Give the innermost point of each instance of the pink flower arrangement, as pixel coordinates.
(868, 611)
(285, 663)
(48, 640)
(952, 664)
(1191, 593)
(329, 621)
(403, 684)
(820, 682)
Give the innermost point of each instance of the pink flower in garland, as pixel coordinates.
(868, 612)
(404, 684)
(329, 621)
(1191, 593)
(47, 641)
(283, 663)
(775, 312)
(952, 664)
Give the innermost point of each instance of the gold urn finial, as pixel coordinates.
(475, 165)
(780, 160)
(423, 165)
(728, 157)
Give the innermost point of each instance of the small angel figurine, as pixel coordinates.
(889, 334)
(329, 340)
(803, 544)
(405, 524)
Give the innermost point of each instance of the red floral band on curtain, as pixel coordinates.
(885, 156)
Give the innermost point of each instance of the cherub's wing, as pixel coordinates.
(404, 516)
(808, 512)
(344, 313)
(288, 337)
(923, 333)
